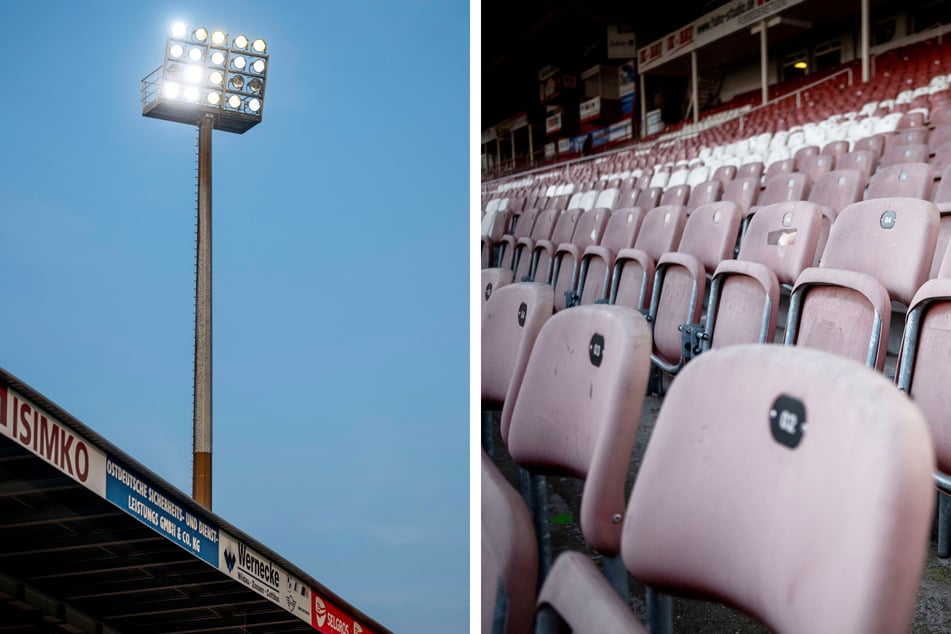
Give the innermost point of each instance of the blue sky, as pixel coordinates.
(341, 349)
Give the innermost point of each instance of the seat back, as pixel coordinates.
(743, 191)
(661, 230)
(710, 233)
(544, 249)
(891, 239)
(939, 136)
(783, 237)
(752, 169)
(509, 556)
(492, 280)
(816, 165)
(784, 188)
(511, 319)
(703, 193)
(607, 198)
(648, 198)
(875, 143)
(778, 168)
(775, 489)
(864, 161)
(577, 407)
(597, 261)
(566, 262)
(911, 135)
(633, 273)
(725, 173)
(835, 148)
(838, 189)
(676, 195)
(912, 180)
(908, 153)
(802, 153)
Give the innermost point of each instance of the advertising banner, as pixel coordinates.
(37, 431)
(255, 571)
(137, 497)
(329, 619)
(721, 22)
(626, 78)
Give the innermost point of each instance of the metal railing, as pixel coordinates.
(151, 87)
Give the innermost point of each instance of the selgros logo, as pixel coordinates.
(328, 618)
(320, 611)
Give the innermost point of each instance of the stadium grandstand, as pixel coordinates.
(93, 542)
(716, 251)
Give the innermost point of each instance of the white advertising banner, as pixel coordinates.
(253, 570)
(729, 18)
(37, 431)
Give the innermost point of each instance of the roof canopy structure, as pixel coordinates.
(93, 541)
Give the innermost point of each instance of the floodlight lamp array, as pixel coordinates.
(214, 72)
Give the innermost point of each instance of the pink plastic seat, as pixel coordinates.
(864, 161)
(565, 265)
(878, 250)
(703, 193)
(912, 180)
(747, 494)
(724, 174)
(816, 165)
(743, 191)
(633, 272)
(835, 148)
(576, 410)
(648, 198)
(522, 256)
(492, 280)
(597, 261)
(909, 153)
(833, 192)
(802, 154)
(709, 238)
(779, 168)
(753, 169)
(511, 320)
(744, 295)
(509, 556)
(875, 143)
(522, 228)
(775, 489)
(939, 136)
(536, 254)
(676, 195)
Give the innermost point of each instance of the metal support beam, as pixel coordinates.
(201, 468)
(643, 108)
(696, 90)
(763, 61)
(864, 45)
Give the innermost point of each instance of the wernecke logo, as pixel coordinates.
(320, 611)
(230, 559)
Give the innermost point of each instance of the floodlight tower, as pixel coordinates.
(216, 82)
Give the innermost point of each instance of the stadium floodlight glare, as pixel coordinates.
(216, 83)
(209, 59)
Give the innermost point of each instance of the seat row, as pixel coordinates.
(749, 490)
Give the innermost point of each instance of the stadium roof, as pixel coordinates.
(518, 39)
(93, 541)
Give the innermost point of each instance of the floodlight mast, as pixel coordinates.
(224, 90)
